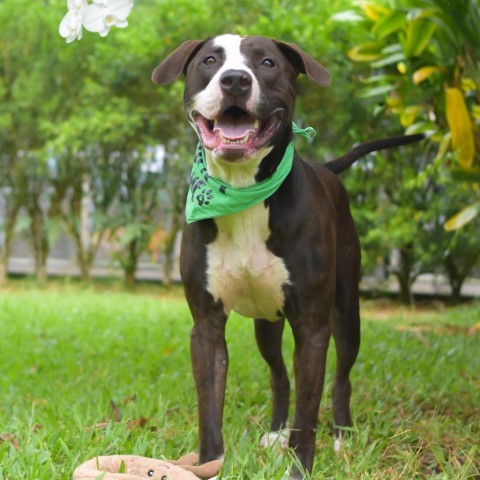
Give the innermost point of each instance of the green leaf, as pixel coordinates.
(130, 233)
(390, 23)
(458, 119)
(383, 78)
(374, 11)
(394, 48)
(419, 33)
(123, 468)
(391, 59)
(462, 218)
(428, 128)
(22, 224)
(367, 52)
(372, 92)
(466, 175)
(423, 13)
(347, 16)
(444, 145)
(423, 73)
(409, 115)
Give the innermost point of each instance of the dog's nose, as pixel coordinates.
(236, 82)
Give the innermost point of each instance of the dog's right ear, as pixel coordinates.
(176, 62)
(304, 63)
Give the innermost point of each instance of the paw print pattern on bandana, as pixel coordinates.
(204, 197)
(200, 193)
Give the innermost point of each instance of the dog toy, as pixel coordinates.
(134, 467)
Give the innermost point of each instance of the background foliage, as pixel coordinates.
(83, 120)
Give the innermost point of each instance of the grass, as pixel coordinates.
(97, 371)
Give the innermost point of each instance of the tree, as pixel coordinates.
(424, 61)
(135, 207)
(414, 50)
(42, 203)
(10, 204)
(396, 206)
(22, 134)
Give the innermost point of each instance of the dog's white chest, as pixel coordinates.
(241, 271)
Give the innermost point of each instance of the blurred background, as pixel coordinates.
(95, 159)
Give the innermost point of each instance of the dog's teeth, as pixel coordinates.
(234, 142)
(256, 124)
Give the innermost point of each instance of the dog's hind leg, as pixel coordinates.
(345, 327)
(269, 341)
(346, 333)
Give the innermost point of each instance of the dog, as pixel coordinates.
(294, 255)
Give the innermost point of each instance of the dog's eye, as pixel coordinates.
(209, 60)
(150, 473)
(268, 62)
(164, 478)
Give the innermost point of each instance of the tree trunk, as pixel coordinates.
(130, 265)
(83, 257)
(41, 256)
(3, 271)
(4, 256)
(41, 273)
(9, 231)
(177, 197)
(169, 250)
(167, 270)
(405, 294)
(84, 270)
(40, 244)
(455, 279)
(404, 274)
(130, 272)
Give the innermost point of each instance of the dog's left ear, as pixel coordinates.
(176, 62)
(304, 63)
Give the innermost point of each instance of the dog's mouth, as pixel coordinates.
(235, 133)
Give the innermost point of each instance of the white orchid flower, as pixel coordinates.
(98, 17)
(104, 14)
(71, 25)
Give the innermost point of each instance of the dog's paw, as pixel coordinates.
(275, 439)
(338, 441)
(337, 444)
(291, 475)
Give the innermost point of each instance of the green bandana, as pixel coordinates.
(209, 197)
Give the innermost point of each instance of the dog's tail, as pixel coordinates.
(342, 163)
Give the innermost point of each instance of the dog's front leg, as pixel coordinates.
(210, 362)
(311, 345)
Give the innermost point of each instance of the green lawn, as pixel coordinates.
(85, 372)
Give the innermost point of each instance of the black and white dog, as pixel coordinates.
(295, 255)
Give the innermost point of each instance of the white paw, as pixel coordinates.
(337, 444)
(279, 439)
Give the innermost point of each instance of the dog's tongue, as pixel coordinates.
(234, 127)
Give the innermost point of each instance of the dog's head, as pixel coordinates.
(239, 91)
